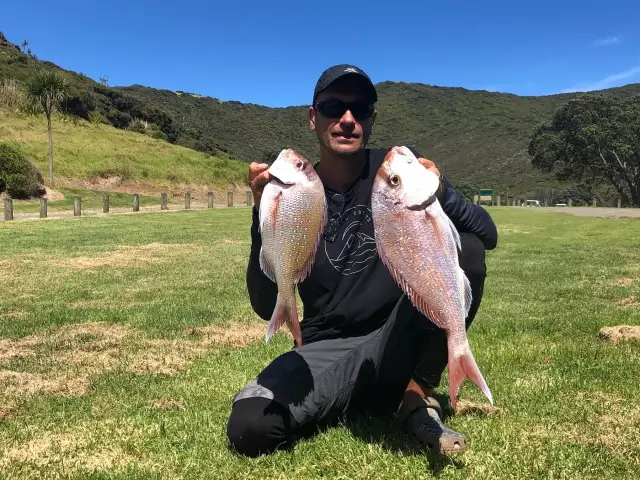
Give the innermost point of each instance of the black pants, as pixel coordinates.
(330, 378)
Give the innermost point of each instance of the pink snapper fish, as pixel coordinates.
(418, 244)
(293, 215)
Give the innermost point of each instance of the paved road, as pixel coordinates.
(604, 212)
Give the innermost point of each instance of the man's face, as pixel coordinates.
(345, 134)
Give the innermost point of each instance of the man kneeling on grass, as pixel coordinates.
(365, 347)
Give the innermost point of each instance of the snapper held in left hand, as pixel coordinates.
(293, 215)
(418, 243)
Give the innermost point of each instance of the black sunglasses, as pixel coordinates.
(335, 109)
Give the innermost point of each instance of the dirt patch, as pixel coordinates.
(198, 192)
(53, 195)
(620, 333)
(168, 403)
(20, 384)
(629, 302)
(130, 256)
(622, 282)
(464, 407)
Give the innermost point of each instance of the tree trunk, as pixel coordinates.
(50, 151)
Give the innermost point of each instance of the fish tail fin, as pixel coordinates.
(463, 365)
(285, 312)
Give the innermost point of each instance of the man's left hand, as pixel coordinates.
(429, 165)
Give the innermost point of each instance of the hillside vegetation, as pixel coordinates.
(89, 151)
(475, 137)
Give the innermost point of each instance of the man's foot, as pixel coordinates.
(421, 418)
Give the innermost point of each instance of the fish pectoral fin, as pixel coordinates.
(441, 222)
(266, 268)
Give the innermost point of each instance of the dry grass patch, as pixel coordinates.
(130, 256)
(65, 361)
(78, 449)
(620, 333)
(622, 282)
(629, 302)
(168, 403)
(14, 315)
(235, 335)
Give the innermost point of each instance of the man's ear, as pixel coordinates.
(312, 118)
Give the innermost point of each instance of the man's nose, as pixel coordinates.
(347, 117)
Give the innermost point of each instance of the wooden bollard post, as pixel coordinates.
(249, 198)
(77, 206)
(569, 202)
(8, 209)
(187, 201)
(545, 203)
(105, 204)
(210, 199)
(594, 202)
(229, 198)
(163, 201)
(43, 207)
(136, 202)
(497, 200)
(619, 203)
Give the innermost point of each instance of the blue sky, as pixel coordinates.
(271, 53)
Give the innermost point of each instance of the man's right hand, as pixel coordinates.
(258, 178)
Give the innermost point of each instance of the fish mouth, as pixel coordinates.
(423, 205)
(280, 182)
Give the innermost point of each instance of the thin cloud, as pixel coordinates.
(608, 82)
(606, 42)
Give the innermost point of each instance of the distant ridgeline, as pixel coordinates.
(479, 139)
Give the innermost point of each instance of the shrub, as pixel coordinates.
(18, 176)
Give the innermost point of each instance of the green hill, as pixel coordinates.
(475, 137)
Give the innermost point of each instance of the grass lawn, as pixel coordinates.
(123, 339)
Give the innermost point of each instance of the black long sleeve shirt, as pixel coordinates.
(349, 290)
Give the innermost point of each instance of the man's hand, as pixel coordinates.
(258, 178)
(429, 165)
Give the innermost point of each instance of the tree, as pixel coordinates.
(48, 89)
(593, 138)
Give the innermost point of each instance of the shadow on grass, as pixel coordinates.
(379, 429)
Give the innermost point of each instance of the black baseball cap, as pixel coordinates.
(332, 74)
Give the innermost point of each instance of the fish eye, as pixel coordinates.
(298, 164)
(394, 179)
